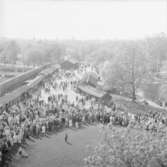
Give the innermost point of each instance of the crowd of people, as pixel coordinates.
(57, 104)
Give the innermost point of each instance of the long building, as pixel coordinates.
(29, 84)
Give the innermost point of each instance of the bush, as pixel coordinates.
(127, 147)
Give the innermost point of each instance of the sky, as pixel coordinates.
(67, 19)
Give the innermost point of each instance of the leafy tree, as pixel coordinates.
(34, 57)
(157, 51)
(100, 55)
(54, 52)
(10, 51)
(128, 147)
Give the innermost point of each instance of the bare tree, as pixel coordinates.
(128, 69)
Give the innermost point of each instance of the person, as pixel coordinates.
(43, 130)
(66, 138)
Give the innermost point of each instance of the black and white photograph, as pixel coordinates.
(83, 83)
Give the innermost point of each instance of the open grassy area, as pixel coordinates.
(54, 152)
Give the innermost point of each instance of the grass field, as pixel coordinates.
(52, 151)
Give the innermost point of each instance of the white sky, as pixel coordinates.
(83, 20)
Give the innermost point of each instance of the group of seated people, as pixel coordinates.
(58, 105)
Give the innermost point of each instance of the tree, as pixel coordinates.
(34, 57)
(10, 52)
(127, 70)
(42, 52)
(54, 52)
(128, 147)
(100, 55)
(157, 51)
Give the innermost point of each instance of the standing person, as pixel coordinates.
(66, 138)
(43, 130)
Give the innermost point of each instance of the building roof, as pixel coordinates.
(91, 91)
(13, 95)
